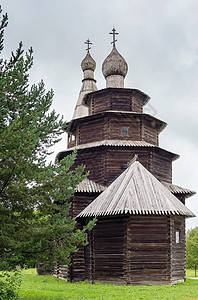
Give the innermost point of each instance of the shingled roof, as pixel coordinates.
(175, 189)
(136, 191)
(90, 186)
(114, 143)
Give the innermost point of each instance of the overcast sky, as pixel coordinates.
(157, 38)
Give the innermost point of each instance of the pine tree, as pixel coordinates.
(34, 210)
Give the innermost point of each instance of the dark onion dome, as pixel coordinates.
(88, 63)
(114, 64)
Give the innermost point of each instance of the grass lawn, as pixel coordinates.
(49, 287)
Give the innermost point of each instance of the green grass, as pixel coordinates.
(191, 273)
(50, 288)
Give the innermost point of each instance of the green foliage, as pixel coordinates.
(9, 285)
(34, 207)
(191, 273)
(192, 248)
(51, 288)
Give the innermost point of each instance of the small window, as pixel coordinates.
(177, 237)
(73, 138)
(124, 131)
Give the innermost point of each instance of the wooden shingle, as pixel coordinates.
(136, 191)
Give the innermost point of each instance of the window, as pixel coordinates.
(124, 131)
(71, 139)
(177, 237)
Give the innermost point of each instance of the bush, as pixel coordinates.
(9, 285)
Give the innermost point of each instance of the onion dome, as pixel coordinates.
(88, 63)
(88, 66)
(114, 67)
(114, 64)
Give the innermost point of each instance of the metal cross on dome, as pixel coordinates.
(88, 43)
(114, 36)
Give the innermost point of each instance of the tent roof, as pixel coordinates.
(136, 191)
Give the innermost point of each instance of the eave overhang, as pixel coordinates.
(90, 186)
(178, 190)
(116, 143)
(145, 97)
(155, 122)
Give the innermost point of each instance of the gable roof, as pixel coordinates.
(136, 191)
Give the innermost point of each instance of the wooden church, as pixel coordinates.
(139, 237)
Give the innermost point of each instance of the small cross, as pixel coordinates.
(114, 35)
(88, 43)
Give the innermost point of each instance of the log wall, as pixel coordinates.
(137, 103)
(133, 124)
(114, 99)
(117, 159)
(99, 104)
(109, 126)
(90, 130)
(161, 166)
(88, 257)
(148, 250)
(94, 160)
(136, 250)
(55, 270)
(108, 250)
(106, 163)
(77, 269)
(149, 131)
(178, 249)
(81, 200)
(63, 272)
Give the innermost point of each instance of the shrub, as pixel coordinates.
(9, 285)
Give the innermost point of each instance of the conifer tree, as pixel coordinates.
(34, 210)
